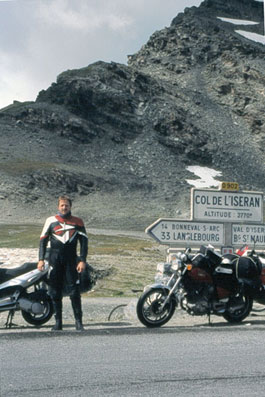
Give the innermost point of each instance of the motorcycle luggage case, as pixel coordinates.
(247, 268)
(206, 258)
(214, 257)
(224, 277)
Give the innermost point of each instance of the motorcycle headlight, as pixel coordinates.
(183, 257)
(176, 265)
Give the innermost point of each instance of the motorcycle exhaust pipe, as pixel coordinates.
(31, 307)
(233, 309)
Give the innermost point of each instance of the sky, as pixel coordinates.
(39, 39)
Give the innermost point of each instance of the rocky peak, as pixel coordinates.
(119, 138)
(198, 37)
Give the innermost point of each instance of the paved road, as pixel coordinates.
(122, 358)
(134, 361)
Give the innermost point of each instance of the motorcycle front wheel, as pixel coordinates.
(40, 319)
(244, 304)
(149, 308)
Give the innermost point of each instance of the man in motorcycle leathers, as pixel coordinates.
(62, 232)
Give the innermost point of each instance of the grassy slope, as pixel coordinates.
(131, 262)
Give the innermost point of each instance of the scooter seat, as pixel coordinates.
(7, 274)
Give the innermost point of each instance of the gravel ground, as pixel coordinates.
(105, 312)
(120, 313)
(96, 311)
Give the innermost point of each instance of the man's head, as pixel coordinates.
(64, 204)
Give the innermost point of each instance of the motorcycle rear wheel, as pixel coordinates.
(40, 319)
(149, 308)
(241, 313)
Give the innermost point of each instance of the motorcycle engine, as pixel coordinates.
(197, 301)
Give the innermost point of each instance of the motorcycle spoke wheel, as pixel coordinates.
(150, 309)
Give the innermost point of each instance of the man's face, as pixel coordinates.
(64, 207)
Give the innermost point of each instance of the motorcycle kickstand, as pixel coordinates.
(10, 316)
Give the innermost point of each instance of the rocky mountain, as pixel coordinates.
(119, 138)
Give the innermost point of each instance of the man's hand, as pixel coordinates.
(40, 266)
(81, 267)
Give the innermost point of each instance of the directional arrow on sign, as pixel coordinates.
(181, 233)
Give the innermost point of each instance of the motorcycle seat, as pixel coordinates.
(7, 273)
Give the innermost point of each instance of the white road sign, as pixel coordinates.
(182, 233)
(215, 205)
(248, 234)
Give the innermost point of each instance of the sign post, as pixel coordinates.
(181, 233)
(222, 206)
(224, 218)
(248, 234)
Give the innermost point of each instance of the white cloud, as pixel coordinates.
(14, 82)
(80, 16)
(41, 38)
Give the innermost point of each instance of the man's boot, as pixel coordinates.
(77, 309)
(58, 316)
(79, 326)
(58, 326)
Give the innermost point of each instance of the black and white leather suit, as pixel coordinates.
(63, 234)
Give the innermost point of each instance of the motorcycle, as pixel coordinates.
(201, 284)
(23, 288)
(249, 267)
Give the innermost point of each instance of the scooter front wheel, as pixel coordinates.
(150, 310)
(44, 317)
